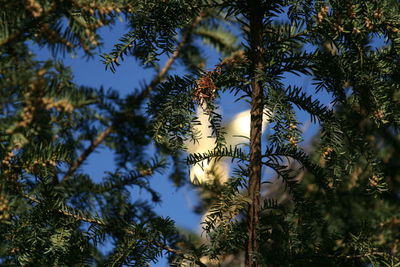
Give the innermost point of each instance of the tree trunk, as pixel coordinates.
(256, 53)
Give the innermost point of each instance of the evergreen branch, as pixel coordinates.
(357, 256)
(289, 37)
(349, 257)
(178, 253)
(274, 157)
(81, 218)
(68, 213)
(234, 153)
(218, 37)
(313, 107)
(119, 180)
(291, 183)
(126, 230)
(144, 94)
(29, 26)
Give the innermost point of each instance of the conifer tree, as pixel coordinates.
(335, 204)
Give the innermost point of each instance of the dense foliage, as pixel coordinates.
(335, 203)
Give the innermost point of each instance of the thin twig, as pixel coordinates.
(158, 78)
(87, 152)
(144, 94)
(393, 222)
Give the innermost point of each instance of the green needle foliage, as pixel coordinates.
(333, 203)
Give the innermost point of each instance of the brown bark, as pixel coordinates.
(256, 53)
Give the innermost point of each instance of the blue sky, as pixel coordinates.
(176, 203)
